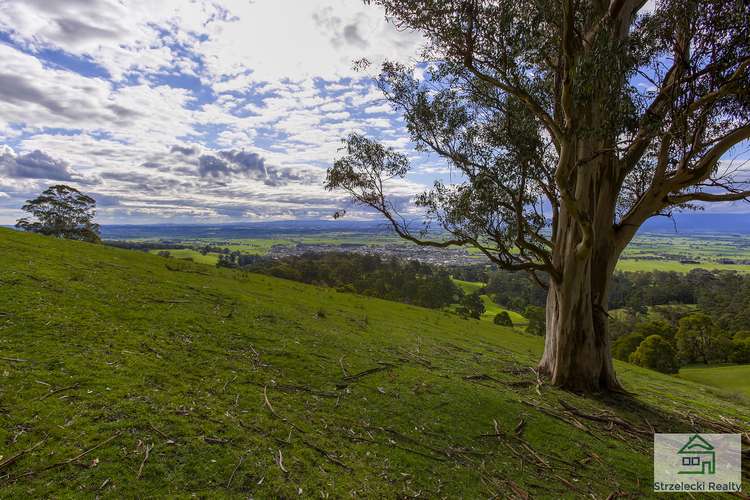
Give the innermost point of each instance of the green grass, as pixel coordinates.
(242, 385)
(732, 379)
(647, 252)
(633, 265)
(194, 255)
(468, 286)
(490, 308)
(670, 249)
(262, 246)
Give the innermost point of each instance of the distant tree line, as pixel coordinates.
(145, 246)
(235, 259)
(410, 282)
(663, 320)
(695, 338)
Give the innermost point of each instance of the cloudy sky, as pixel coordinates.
(189, 110)
(192, 110)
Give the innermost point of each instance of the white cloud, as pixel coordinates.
(120, 36)
(266, 78)
(315, 38)
(379, 108)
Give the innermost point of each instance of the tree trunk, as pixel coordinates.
(577, 353)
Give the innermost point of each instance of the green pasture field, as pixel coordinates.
(127, 375)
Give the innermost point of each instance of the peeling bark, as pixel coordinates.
(577, 345)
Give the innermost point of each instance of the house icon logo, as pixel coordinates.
(697, 456)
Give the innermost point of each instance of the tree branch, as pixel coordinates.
(522, 95)
(707, 197)
(703, 167)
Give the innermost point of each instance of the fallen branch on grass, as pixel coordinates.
(481, 376)
(309, 390)
(607, 419)
(13, 458)
(383, 366)
(327, 455)
(343, 369)
(280, 462)
(149, 447)
(571, 421)
(169, 440)
(273, 411)
(69, 460)
(236, 467)
(14, 360)
(57, 391)
(229, 381)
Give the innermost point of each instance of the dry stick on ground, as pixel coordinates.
(300, 388)
(497, 429)
(726, 426)
(213, 440)
(481, 376)
(357, 376)
(229, 482)
(14, 360)
(229, 381)
(70, 460)
(343, 370)
(357, 439)
(519, 428)
(170, 301)
(518, 490)
(13, 458)
(273, 412)
(608, 419)
(539, 381)
(327, 455)
(414, 356)
(149, 447)
(574, 423)
(500, 435)
(567, 483)
(45, 396)
(280, 462)
(160, 433)
(414, 441)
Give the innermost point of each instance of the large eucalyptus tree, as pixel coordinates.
(572, 122)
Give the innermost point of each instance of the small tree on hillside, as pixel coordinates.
(700, 340)
(64, 212)
(655, 327)
(503, 319)
(624, 346)
(536, 318)
(740, 351)
(570, 123)
(471, 306)
(655, 353)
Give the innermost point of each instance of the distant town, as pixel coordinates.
(428, 255)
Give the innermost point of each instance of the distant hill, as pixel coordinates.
(699, 223)
(240, 230)
(686, 224)
(125, 374)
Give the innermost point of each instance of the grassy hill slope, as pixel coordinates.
(126, 374)
(735, 378)
(490, 308)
